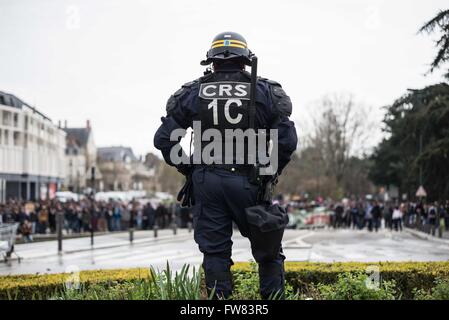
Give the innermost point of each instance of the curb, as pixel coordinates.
(53, 237)
(425, 236)
(124, 243)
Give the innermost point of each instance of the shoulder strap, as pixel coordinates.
(252, 97)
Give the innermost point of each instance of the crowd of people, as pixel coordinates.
(370, 214)
(41, 217)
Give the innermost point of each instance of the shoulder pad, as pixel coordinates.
(272, 82)
(281, 100)
(171, 103)
(185, 87)
(189, 84)
(175, 97)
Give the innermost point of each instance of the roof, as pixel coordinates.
(80, 135)
(11, 100)
(73, 145)
(116, 153)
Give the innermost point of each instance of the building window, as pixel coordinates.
(16, 139)
(25, 140)
(6, 138)
(6, 118)
(16, 119)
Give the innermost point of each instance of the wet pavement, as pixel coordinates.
(364, 246)
(115, 251)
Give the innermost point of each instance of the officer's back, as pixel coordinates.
(220, 180)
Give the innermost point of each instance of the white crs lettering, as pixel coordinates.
(225, 90)
(241, 90)
(204, 90)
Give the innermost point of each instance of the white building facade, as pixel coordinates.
(32, 152)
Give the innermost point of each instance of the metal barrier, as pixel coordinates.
(8, 233)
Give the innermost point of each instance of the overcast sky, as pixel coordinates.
(116, 62)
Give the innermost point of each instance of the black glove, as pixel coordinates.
(185, 195)
(269, 182)
(184, 169)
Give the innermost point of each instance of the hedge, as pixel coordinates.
(407, 275)
(35, 286)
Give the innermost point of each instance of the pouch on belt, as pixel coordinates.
(266, 225)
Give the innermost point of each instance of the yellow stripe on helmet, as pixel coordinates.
(230, 45)
(230, 40)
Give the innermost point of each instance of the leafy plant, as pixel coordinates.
(353, 286)
(246, 284)
(181, 286)
(160, 285)
(439, 292)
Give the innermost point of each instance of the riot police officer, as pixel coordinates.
(221, 191)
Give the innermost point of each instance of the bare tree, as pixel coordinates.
(342, 128)
(169, 178)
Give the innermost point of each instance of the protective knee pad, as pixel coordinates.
(265, 256)
(218, 276)
(217, 262)
(272, 281)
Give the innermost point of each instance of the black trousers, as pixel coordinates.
(220, 199)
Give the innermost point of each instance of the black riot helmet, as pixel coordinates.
(228, 45)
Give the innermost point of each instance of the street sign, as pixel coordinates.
(421, 193)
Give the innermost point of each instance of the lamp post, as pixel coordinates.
(173, 215)
(92, 179)
(59, 226)
(131, 222)
(78, 187)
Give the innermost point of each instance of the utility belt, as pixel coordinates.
(251, 171)
(247, 170)
(238, 169)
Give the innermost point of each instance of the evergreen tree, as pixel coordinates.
(418, 143)
(439, 24)
(417, 125)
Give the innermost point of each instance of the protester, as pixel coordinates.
(397, 219)
(354, 216)
(377, 215)
(446, 216)
(161, 216)
(432, 217)
(148, 216)
(116, 218)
